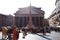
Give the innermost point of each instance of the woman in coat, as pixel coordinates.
(15, 34)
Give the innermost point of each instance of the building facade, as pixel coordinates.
(22, 16)
(54, 18)
(7, 20)
(10, 20)
(2, 20)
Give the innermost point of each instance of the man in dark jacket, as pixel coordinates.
(9, 33)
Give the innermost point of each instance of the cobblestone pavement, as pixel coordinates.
(49, 36)
(31, 37)
(55, 35)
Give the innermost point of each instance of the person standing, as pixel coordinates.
(4, 33)
(15, 34)
(9, 33)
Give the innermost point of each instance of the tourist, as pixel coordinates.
(15, 34)
(9, 33)
(4, 33)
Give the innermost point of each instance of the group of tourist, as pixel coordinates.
(10, 33)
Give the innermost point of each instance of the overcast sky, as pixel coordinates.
(11, 6)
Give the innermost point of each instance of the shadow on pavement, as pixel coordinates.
(45, 37)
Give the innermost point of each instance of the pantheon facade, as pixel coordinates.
(22, 16)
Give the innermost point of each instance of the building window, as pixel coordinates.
(58, 11)
(59, 16)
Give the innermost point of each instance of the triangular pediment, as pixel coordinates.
(34, 10)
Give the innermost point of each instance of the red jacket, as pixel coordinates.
(15, 34)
